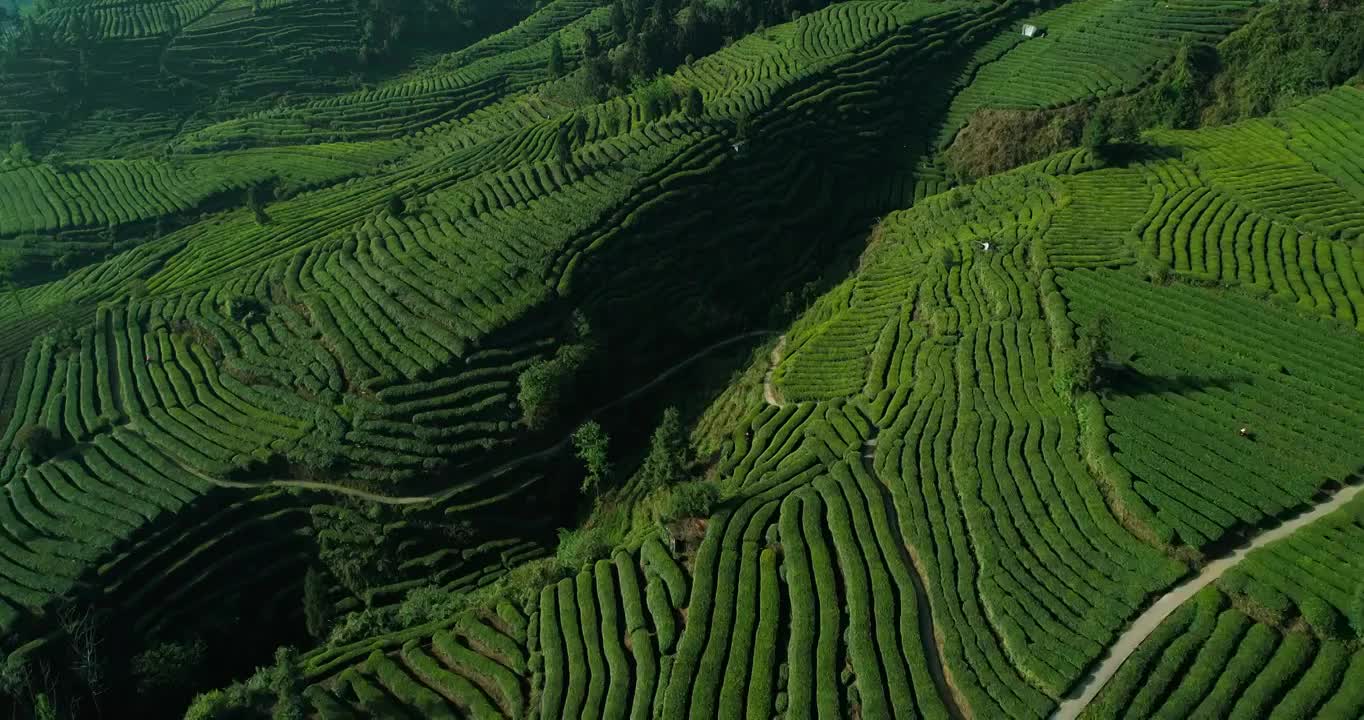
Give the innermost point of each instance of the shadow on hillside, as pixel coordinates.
(1126, 154)
(1129, 381)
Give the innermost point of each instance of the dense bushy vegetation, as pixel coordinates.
(416, 358)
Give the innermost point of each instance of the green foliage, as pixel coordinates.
(237, 702)
(169, 666)
(40, 442)
(563, 146)
(1180, 92)
(619, 24)
(286, 682)
(355, 545)
(667, 459)
(556, 58)
(364, 623)
(1356, 609)
(656, 97)
(316, 609)
(1287, 51)
(578, 548)
(546, 386)
(695, 499)
(255, 201)
(998, 140)
(426, 604)
(694, 104)
(590, 443)
(242, 308)
(395, 205)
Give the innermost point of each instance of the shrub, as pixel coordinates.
(578, 548)
(556, 57)
(40, 442)
(365, 623)
(1324, 619)
(167, 667)
(692, 499)
(524, 582)
(695, 105)
(563, 146)
(396, 205)
(1288, 50)
(425, 604)
(287, 683)
(241, 308)
(998, 140)
(591, 443)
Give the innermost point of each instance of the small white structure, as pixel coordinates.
(1032, 31)
(986, 246)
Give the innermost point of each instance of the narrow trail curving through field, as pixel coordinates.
(506, 467)
(928, 636)
(769, 392)
(1146, 623)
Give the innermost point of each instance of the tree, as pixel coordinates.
(1357, 610)
(591, 45)
(619, 25)
(241, 308)
(1178, 94)
(255, 200)
(1097, 131)
(396, 206)
(591, 443)
(693, 499)
(744, 126)
(168, 667)
(563, 147)
(137, 288)
(666, 462)
(287, 683)
(694, 105)
(580, 128)
(556, 58)
(316, 611)
(1347, 61)
(596, 75)
(547, 384)
(40, 442)
(1090, 352)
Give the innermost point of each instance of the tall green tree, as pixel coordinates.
(620, 26)
(695, 106)
(556, 57)
(591, 45)
(667, 459)
(316, 612)
(591, 444)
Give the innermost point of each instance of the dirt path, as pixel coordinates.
(1148, 621)
(769, 392)
(500, 469)
(927, 635)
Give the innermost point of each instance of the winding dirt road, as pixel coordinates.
(1148, 621)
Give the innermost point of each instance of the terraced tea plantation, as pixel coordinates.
(604, 359)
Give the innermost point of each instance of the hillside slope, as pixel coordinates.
(371, 368)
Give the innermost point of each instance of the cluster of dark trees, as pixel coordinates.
(390, 25)
(658, 35)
